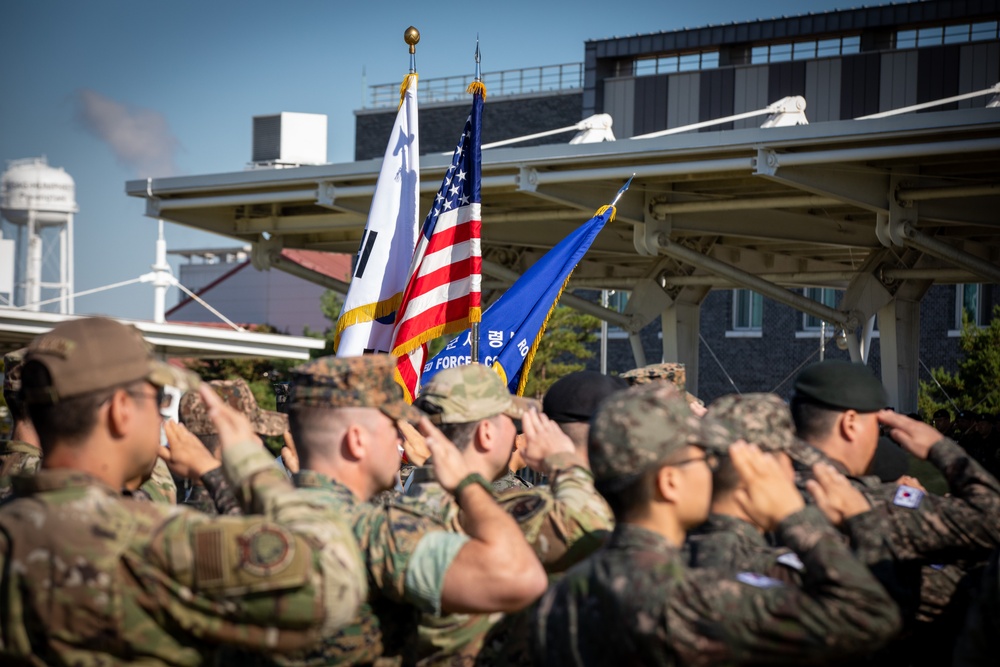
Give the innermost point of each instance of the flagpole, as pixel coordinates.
(474, 343)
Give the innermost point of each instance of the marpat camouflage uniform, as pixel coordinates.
(508, 482)
(90, 578)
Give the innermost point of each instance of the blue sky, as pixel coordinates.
(113, 90)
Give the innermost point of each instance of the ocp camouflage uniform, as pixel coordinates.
(17, 458)
(91, 578)
(510, 481)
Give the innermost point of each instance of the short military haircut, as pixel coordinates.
(460, 433)
(625, 500)
(813, 421)
(69, 420)
(725, 479)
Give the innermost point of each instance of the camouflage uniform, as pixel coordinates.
(563, 523)
(634, 601)
(510, 481)
(406, 552)
(211, 494)
(979, 643)
(16, 456)
(152, 583)
(91, 578)
(671, 372)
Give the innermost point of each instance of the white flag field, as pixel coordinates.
(382, 265)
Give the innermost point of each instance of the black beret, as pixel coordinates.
(575, 397)
(841, 385)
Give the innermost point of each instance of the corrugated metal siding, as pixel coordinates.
(651, 102)
(822, 90)
(716, 97)
(859, 85)
(750, 93)
(683, 100)
(898, 87)
(978, 68)
(619, 101)
(786, 79)
(938, 75)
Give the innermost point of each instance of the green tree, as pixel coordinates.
(562, 348)
(975, 386)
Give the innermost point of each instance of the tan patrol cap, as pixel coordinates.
(91, 354)
(469, 393)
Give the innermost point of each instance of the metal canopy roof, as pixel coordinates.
(911, 199)
(19, 327)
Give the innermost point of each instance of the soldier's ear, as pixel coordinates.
(665, 484)
(355, 442)
(119, 412)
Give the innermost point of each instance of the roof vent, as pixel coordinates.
(288, 140)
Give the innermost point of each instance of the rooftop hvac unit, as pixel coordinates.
(289, 139)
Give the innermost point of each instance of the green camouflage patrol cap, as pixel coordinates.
(636, 429)
(841, 385)
(761, 419)
(94, 353)
(467, 394)
(194, 412)
(12, 370)
(343, 382)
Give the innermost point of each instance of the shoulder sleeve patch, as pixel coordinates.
(908, 496)
(241, 556)
(758, 580)
(523, 507)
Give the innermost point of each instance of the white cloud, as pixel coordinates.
(140, 138)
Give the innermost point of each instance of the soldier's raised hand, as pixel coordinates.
(767, 495)
(289, 455)
(542, 439)
(186, 455)
(914, 436)
(450, 467)
(835, 497)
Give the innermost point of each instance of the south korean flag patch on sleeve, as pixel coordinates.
(907, 496)
(758, 580)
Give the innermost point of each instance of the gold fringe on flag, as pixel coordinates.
(477, 87)
(455, 326)
(366, 313)
(403, 86)
(523, 381)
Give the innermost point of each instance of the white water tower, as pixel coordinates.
(39, 202)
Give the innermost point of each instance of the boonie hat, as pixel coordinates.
(469, 393)
(95, 353)
(194, 412)
(342, 382)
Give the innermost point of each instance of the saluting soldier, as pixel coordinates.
(635, 603)
(90, 577)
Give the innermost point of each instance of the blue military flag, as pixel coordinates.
(513, 326)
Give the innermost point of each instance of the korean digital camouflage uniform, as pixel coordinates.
(91, 578)
(211, 494)
(920, 545)
(727, 542)
(635, 602)
(406, 552)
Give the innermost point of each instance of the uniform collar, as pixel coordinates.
(636, 538)
(723, 523)
(310, 479)
(58, 479)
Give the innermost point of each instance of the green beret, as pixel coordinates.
(841, 385)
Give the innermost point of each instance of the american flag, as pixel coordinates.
(443, 292)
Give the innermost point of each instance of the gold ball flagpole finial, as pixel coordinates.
(411, 37)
